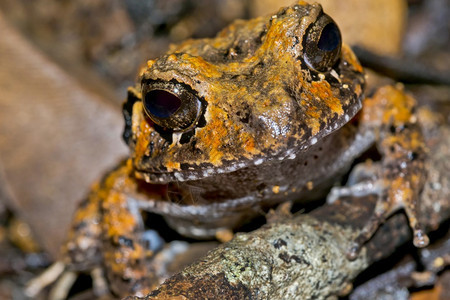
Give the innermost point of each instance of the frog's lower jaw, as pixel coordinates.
(205, 220)
(210, 228)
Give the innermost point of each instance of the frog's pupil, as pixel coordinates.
(161, 104)
(330, 38)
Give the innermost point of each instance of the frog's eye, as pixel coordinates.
(323, 44)
(171, 105)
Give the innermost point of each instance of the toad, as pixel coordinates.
(221, 129)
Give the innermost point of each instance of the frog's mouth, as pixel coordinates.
(160, 177)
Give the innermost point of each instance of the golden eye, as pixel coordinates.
(323, 44)
(171, 105)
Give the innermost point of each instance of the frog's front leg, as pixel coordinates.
(81, 252)
(106, 239)
(399, 177)
(127, 250)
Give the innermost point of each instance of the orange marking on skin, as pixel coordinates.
(150, 63)
(215, 157)
(303, 3)
(142, 70)
(91, 209)
(388, 106)
(142, 140)
(214, 134)
(120, 261)
(400, 106)
(276, 40)
(413, 141)
(202, 66)
(172, 58)
(118, 220)
(248, 142)
(171, 165)
(323, 91)
(313, 114)
(416, 140)
(314, 124)
(267, 103)
(351, 58)
(401, 192)
(275, 189)
(358, 90)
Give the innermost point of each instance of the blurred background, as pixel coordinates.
(64, 71)
(113, 38)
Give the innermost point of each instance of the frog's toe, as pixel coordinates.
(366, 171)
(99, 282)
(421, 239)
(410, 204)
(62, 280)
(362, 181)
(360, 189)
(392, 196)
(62, 286)
(383, 209)
(49, 276)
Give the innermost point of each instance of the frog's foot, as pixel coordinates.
(36, 285)
(62, 280)
(392, 195)
(61, 276)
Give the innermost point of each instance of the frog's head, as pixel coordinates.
(260, 90)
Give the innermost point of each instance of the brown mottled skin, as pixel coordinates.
(269, 128)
